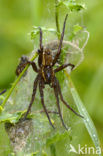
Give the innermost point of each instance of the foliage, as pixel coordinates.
(72, 5)
(36, 31)
(82, 77)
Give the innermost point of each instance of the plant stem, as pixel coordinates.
(17, 80)
(56, 17)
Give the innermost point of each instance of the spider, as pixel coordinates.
(46, 76)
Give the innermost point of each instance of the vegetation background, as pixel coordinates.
(16, 21)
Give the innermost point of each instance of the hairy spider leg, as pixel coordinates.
(41, 84)
(65, 103)
(60, 44)
(58, 105)
(64, 66)
(40, 51)
(41, 34)
(34, 66)
(3, 92)
(33, 95)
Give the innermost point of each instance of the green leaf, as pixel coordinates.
(76, 28)
(12, 118)
(87, 119)
(35, 153)
(36, 31)
(72, 5)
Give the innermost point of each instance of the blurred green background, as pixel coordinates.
(16, 21)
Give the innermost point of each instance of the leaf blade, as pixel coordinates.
(82, 110)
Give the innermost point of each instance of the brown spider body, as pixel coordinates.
(46, 68)
(47, 58)
(46, 75)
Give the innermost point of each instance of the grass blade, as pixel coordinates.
(87, 119)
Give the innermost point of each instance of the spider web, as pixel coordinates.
(74, 51)
(38, 130)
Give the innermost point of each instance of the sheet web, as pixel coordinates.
(36, 135)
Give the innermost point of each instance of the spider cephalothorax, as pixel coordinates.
(46, 75)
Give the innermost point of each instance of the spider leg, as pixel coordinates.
(60, 44)
(42, 101)
(40, 51)
(41, 34)
(65, 103)
(64, 66)
(33, 95)
(3, 92)
(31, 63)
(58, 105)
